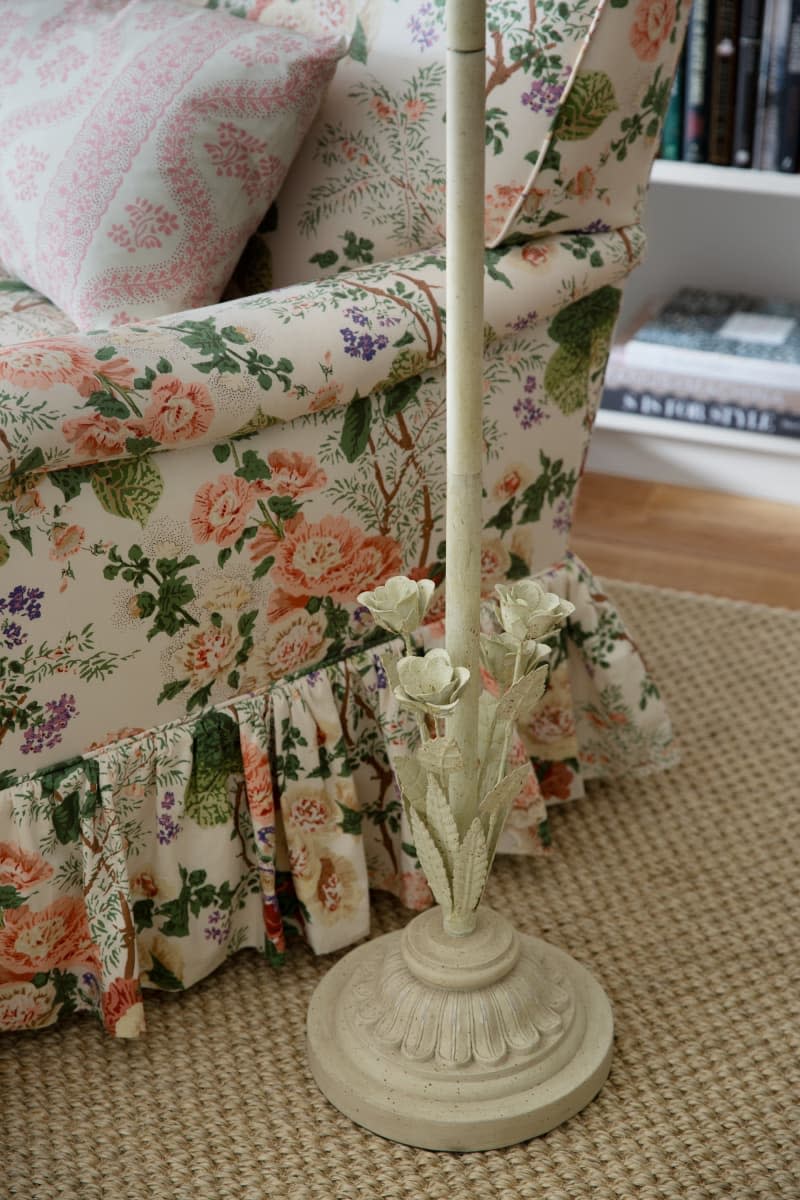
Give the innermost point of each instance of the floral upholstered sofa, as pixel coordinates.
(196, 737)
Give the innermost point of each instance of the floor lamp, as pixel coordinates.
(458, 1032)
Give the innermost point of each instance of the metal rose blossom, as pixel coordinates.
(528, 611)
(505, 656)
(399, 604)
(430, 684)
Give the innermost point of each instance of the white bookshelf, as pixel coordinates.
(731, 179)
(746, 464)
(720, 228)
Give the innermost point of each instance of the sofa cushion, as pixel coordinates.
(575, 97)
(141, 144)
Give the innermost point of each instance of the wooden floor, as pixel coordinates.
(696, 541)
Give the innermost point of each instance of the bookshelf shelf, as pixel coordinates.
(757, 443)
(670, 452)
(722, 229)
(725, 179)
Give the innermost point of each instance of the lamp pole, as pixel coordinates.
(466, 66)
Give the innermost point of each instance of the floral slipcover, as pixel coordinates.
(196, 737)
(575, 97)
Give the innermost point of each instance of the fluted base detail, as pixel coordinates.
(459, 1043)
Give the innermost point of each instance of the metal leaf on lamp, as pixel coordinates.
(459, 1033)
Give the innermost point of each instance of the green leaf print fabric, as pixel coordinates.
(197, 740)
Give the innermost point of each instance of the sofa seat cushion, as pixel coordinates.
(142, 142)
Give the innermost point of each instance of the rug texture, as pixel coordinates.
(680, 892)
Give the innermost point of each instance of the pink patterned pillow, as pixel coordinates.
(141, 142)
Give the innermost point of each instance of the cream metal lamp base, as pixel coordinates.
(459, 1043)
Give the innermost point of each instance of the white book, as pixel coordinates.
(732, 340)
(709, 369)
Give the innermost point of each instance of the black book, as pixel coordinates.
(678, 405)
(748, 55)
(774, 56)
(695, 125)
(762, 79)
(789, 111)
(723, 81)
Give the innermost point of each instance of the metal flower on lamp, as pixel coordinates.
(458, 1032)
(528, 611)
(457, 864)
(400, 604)
(430, 684)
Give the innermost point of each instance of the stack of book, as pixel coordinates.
(707, 359)
(736, 98)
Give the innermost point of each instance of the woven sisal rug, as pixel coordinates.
(680, 892)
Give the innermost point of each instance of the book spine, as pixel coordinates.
(723, 82)
(669, 406)
(762, 83)
(695, 132)
(789, 114)
(672, 137)
(747, 70)
(767, 118)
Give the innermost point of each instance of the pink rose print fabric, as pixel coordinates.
(141, 144)
(198, 738)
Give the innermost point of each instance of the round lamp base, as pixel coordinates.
(459, 1043)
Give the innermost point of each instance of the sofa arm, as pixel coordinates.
(228, 370)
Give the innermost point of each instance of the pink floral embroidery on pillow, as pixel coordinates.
(59, 27)
(149, 225)
(58, 68)
(252, 55)
(241, 155)
(162, 146)
(28, 163)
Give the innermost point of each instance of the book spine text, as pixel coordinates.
(668, 406)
